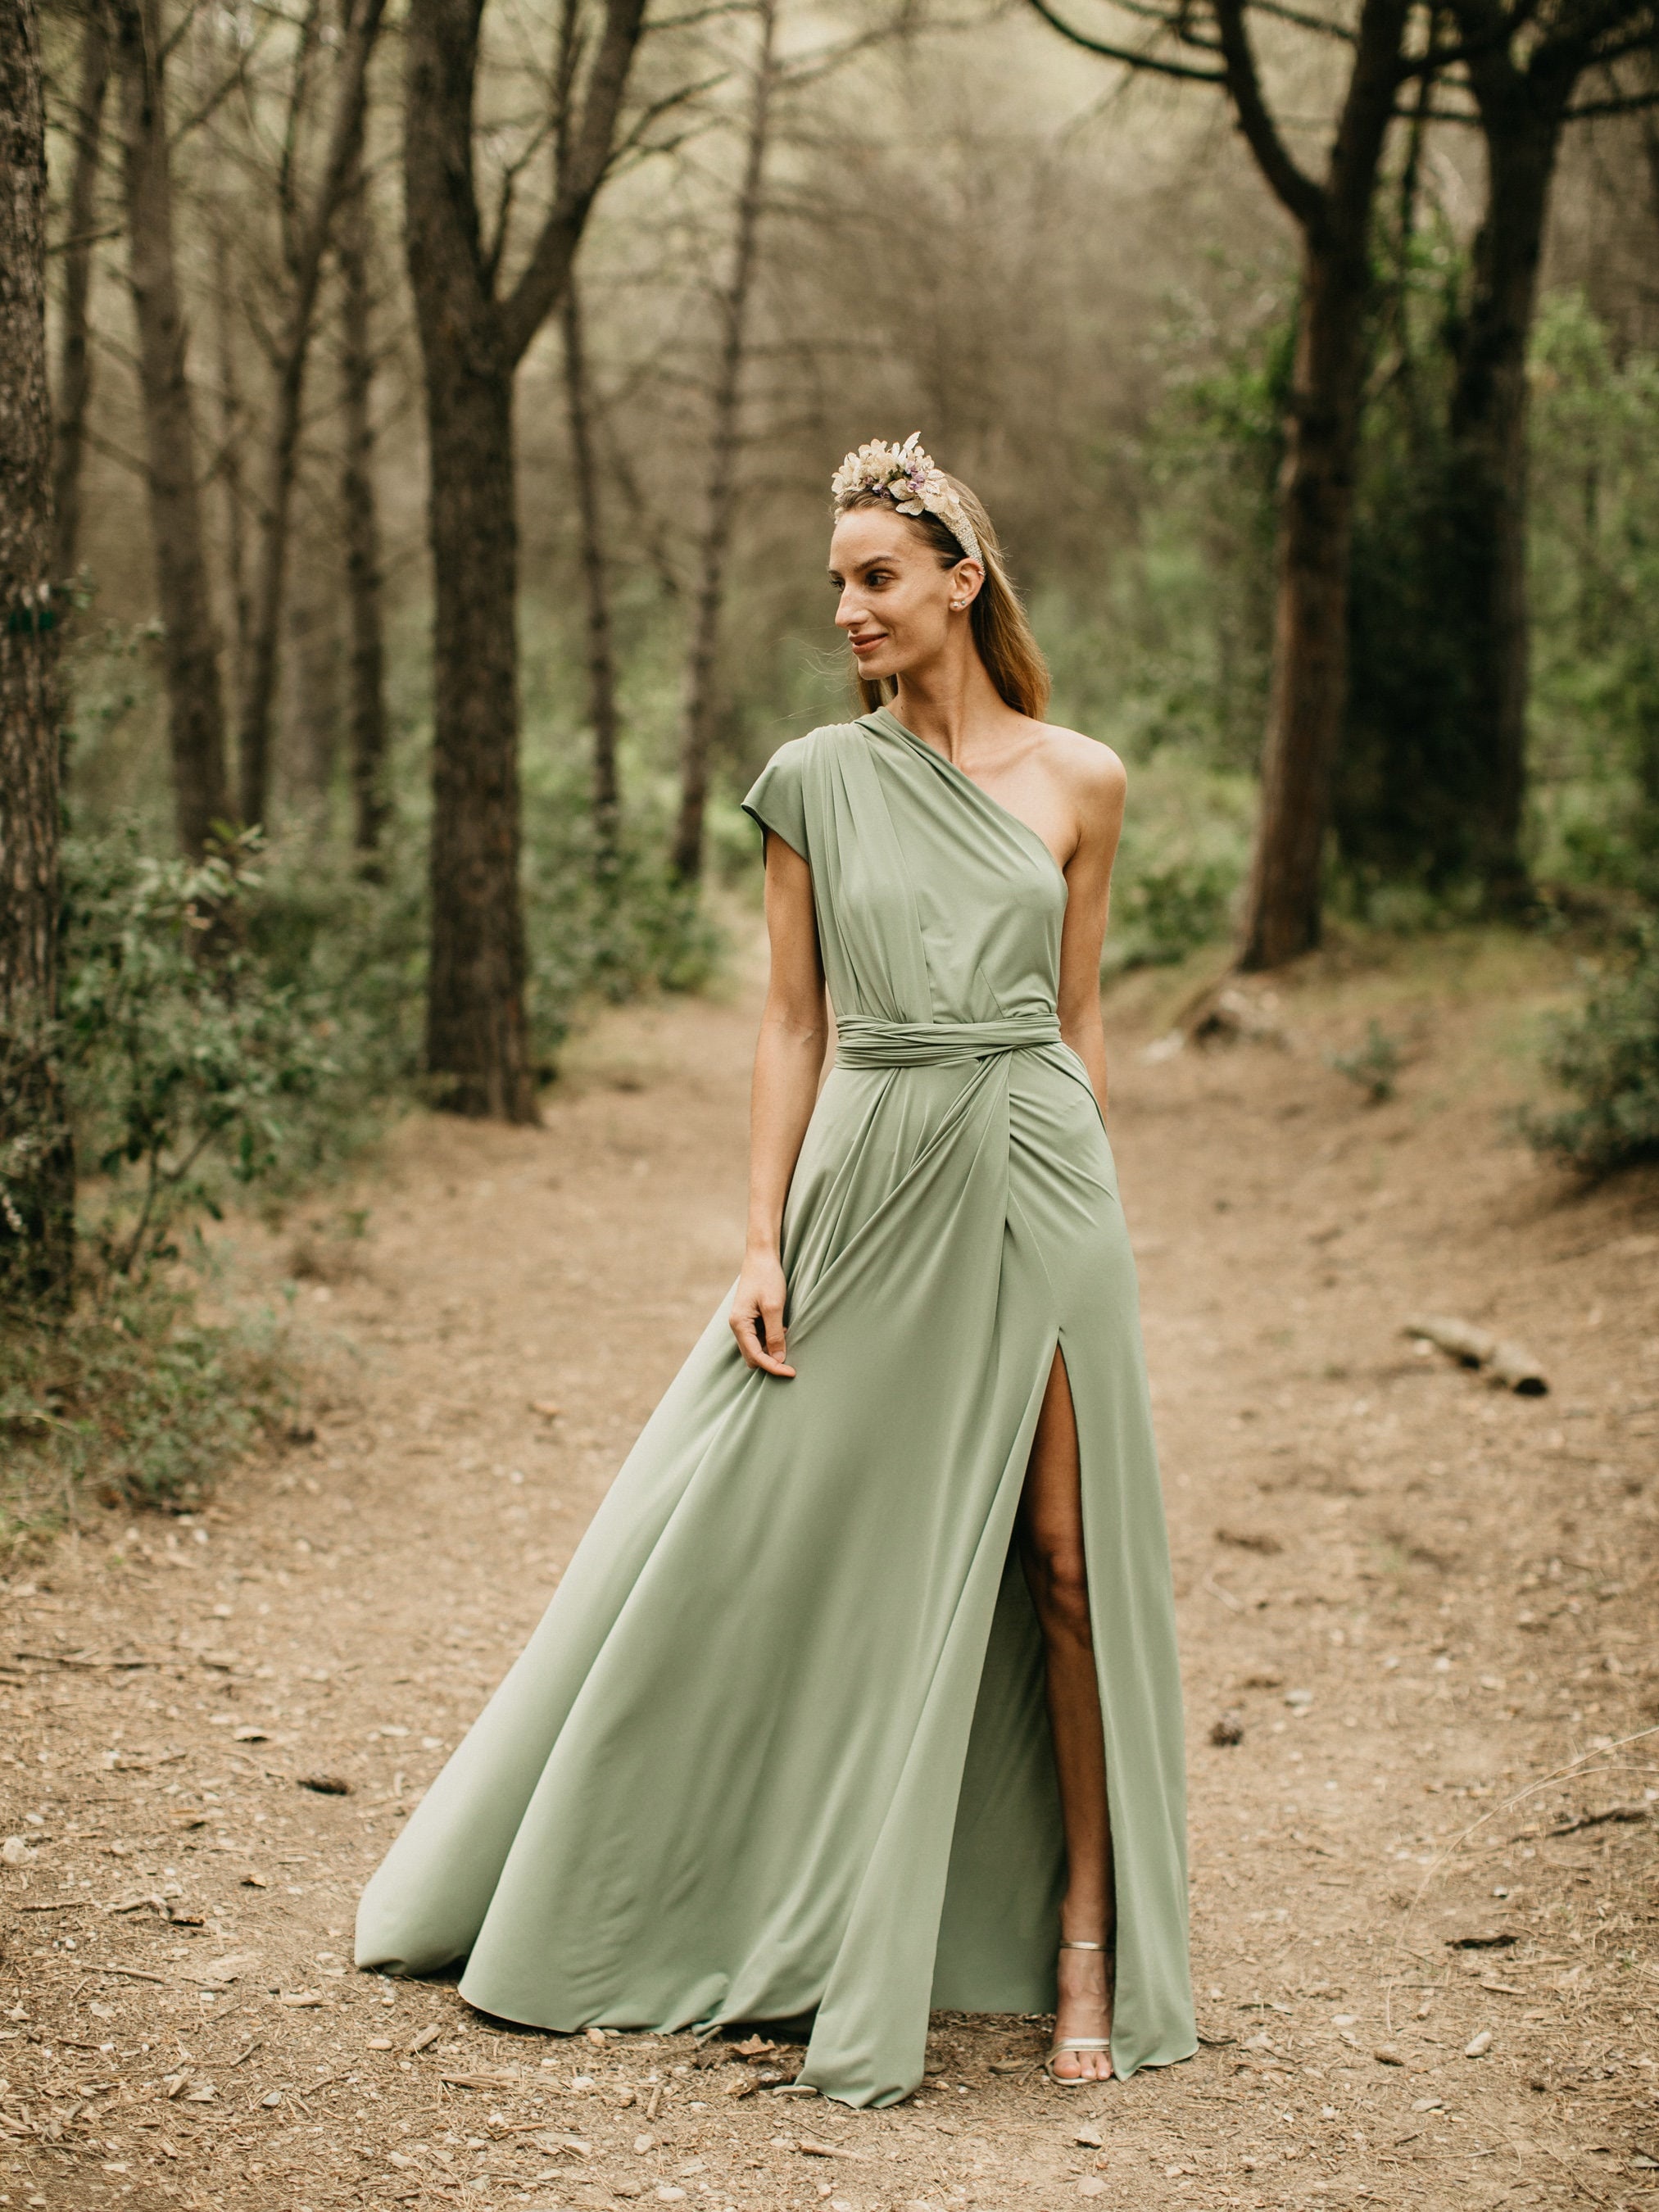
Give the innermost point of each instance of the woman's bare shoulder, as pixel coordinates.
(1094, 778)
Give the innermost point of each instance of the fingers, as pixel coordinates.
(746, 1327)
(772, 1320)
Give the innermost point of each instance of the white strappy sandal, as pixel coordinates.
(1076, 2042)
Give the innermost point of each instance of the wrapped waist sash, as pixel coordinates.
(864, 1041)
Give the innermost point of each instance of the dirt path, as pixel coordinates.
(1413, 1599)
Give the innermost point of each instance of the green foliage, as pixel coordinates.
(133, 1399)
(1374, 1067)
(1203, 613)
(1607, 1059)
(1405, 801)
(1185, 851)
(250, 1023)
(187, 1066)
(1594, 581)
(1164, 912)
(602, 932)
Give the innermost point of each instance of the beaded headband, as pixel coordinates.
(905, 475)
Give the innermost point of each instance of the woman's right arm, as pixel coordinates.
(794, 1035)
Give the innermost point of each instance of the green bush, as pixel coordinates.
(603, 936)
(1606, 1058)
(1594, 562)
(133, 1399)
(1185, 851)
(189, 1069)
(1163, 914)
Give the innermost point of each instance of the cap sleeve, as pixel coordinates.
(775, 800)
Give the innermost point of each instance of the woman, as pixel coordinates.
(860, 1696)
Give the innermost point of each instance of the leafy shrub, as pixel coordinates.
(1186, 847)
(188, 1067)
(1165, 913)
(133, 1398)
(608, 935)
(1606, 1058)
(1594, 570)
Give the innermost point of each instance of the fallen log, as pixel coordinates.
(1500, 1361)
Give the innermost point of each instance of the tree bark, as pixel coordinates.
(1283, 901)
(471, 341)
(1488, 487)
(1523, 108)
(476, 1039)
(291, 358)
(313, 664)
(37, 1153)
(365, 661)
(81, 222)
(1308, 687)
(476, 1033)
(195, 716)
(232, 428)
(596, 590)
(700, 711)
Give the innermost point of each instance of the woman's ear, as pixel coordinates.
(966, 579)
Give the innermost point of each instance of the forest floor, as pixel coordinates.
(1422, 1877)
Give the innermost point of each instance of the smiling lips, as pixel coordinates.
(866, 644)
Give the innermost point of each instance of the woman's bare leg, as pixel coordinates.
(1056, 1573)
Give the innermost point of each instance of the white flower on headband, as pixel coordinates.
(907, 476)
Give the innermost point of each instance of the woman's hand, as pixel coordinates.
(757, 1313)
(794, 1035)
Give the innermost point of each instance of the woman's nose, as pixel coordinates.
(847, 610)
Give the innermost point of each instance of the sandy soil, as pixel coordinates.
(1425, 1961)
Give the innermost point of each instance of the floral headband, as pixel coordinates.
(907, 476)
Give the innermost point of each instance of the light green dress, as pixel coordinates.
(779, 1745)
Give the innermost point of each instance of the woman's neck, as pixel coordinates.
(951, 704)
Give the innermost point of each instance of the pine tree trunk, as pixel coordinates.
(195, 714)
(1522, 124)
(1310, 612)
(472, 344)
(80, 220)
(231, 434)
(258, 701)
(313, 663)
(37, 1153)
(1284, 902)
(365, 665)
(596, 591)
(477, 1042)
(700, 712)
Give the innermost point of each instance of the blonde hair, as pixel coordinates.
(1002, 634)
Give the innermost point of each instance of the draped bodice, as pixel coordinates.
(935, 905)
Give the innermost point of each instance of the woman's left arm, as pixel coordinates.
(1097, 785)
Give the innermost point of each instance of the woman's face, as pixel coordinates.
(895, 602)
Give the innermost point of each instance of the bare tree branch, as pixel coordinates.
(234, 81)
(1134, 57)
(527, 307)
(1291, 184)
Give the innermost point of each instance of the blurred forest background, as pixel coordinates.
(420, 540)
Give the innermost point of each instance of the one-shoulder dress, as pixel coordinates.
(779, 1746)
